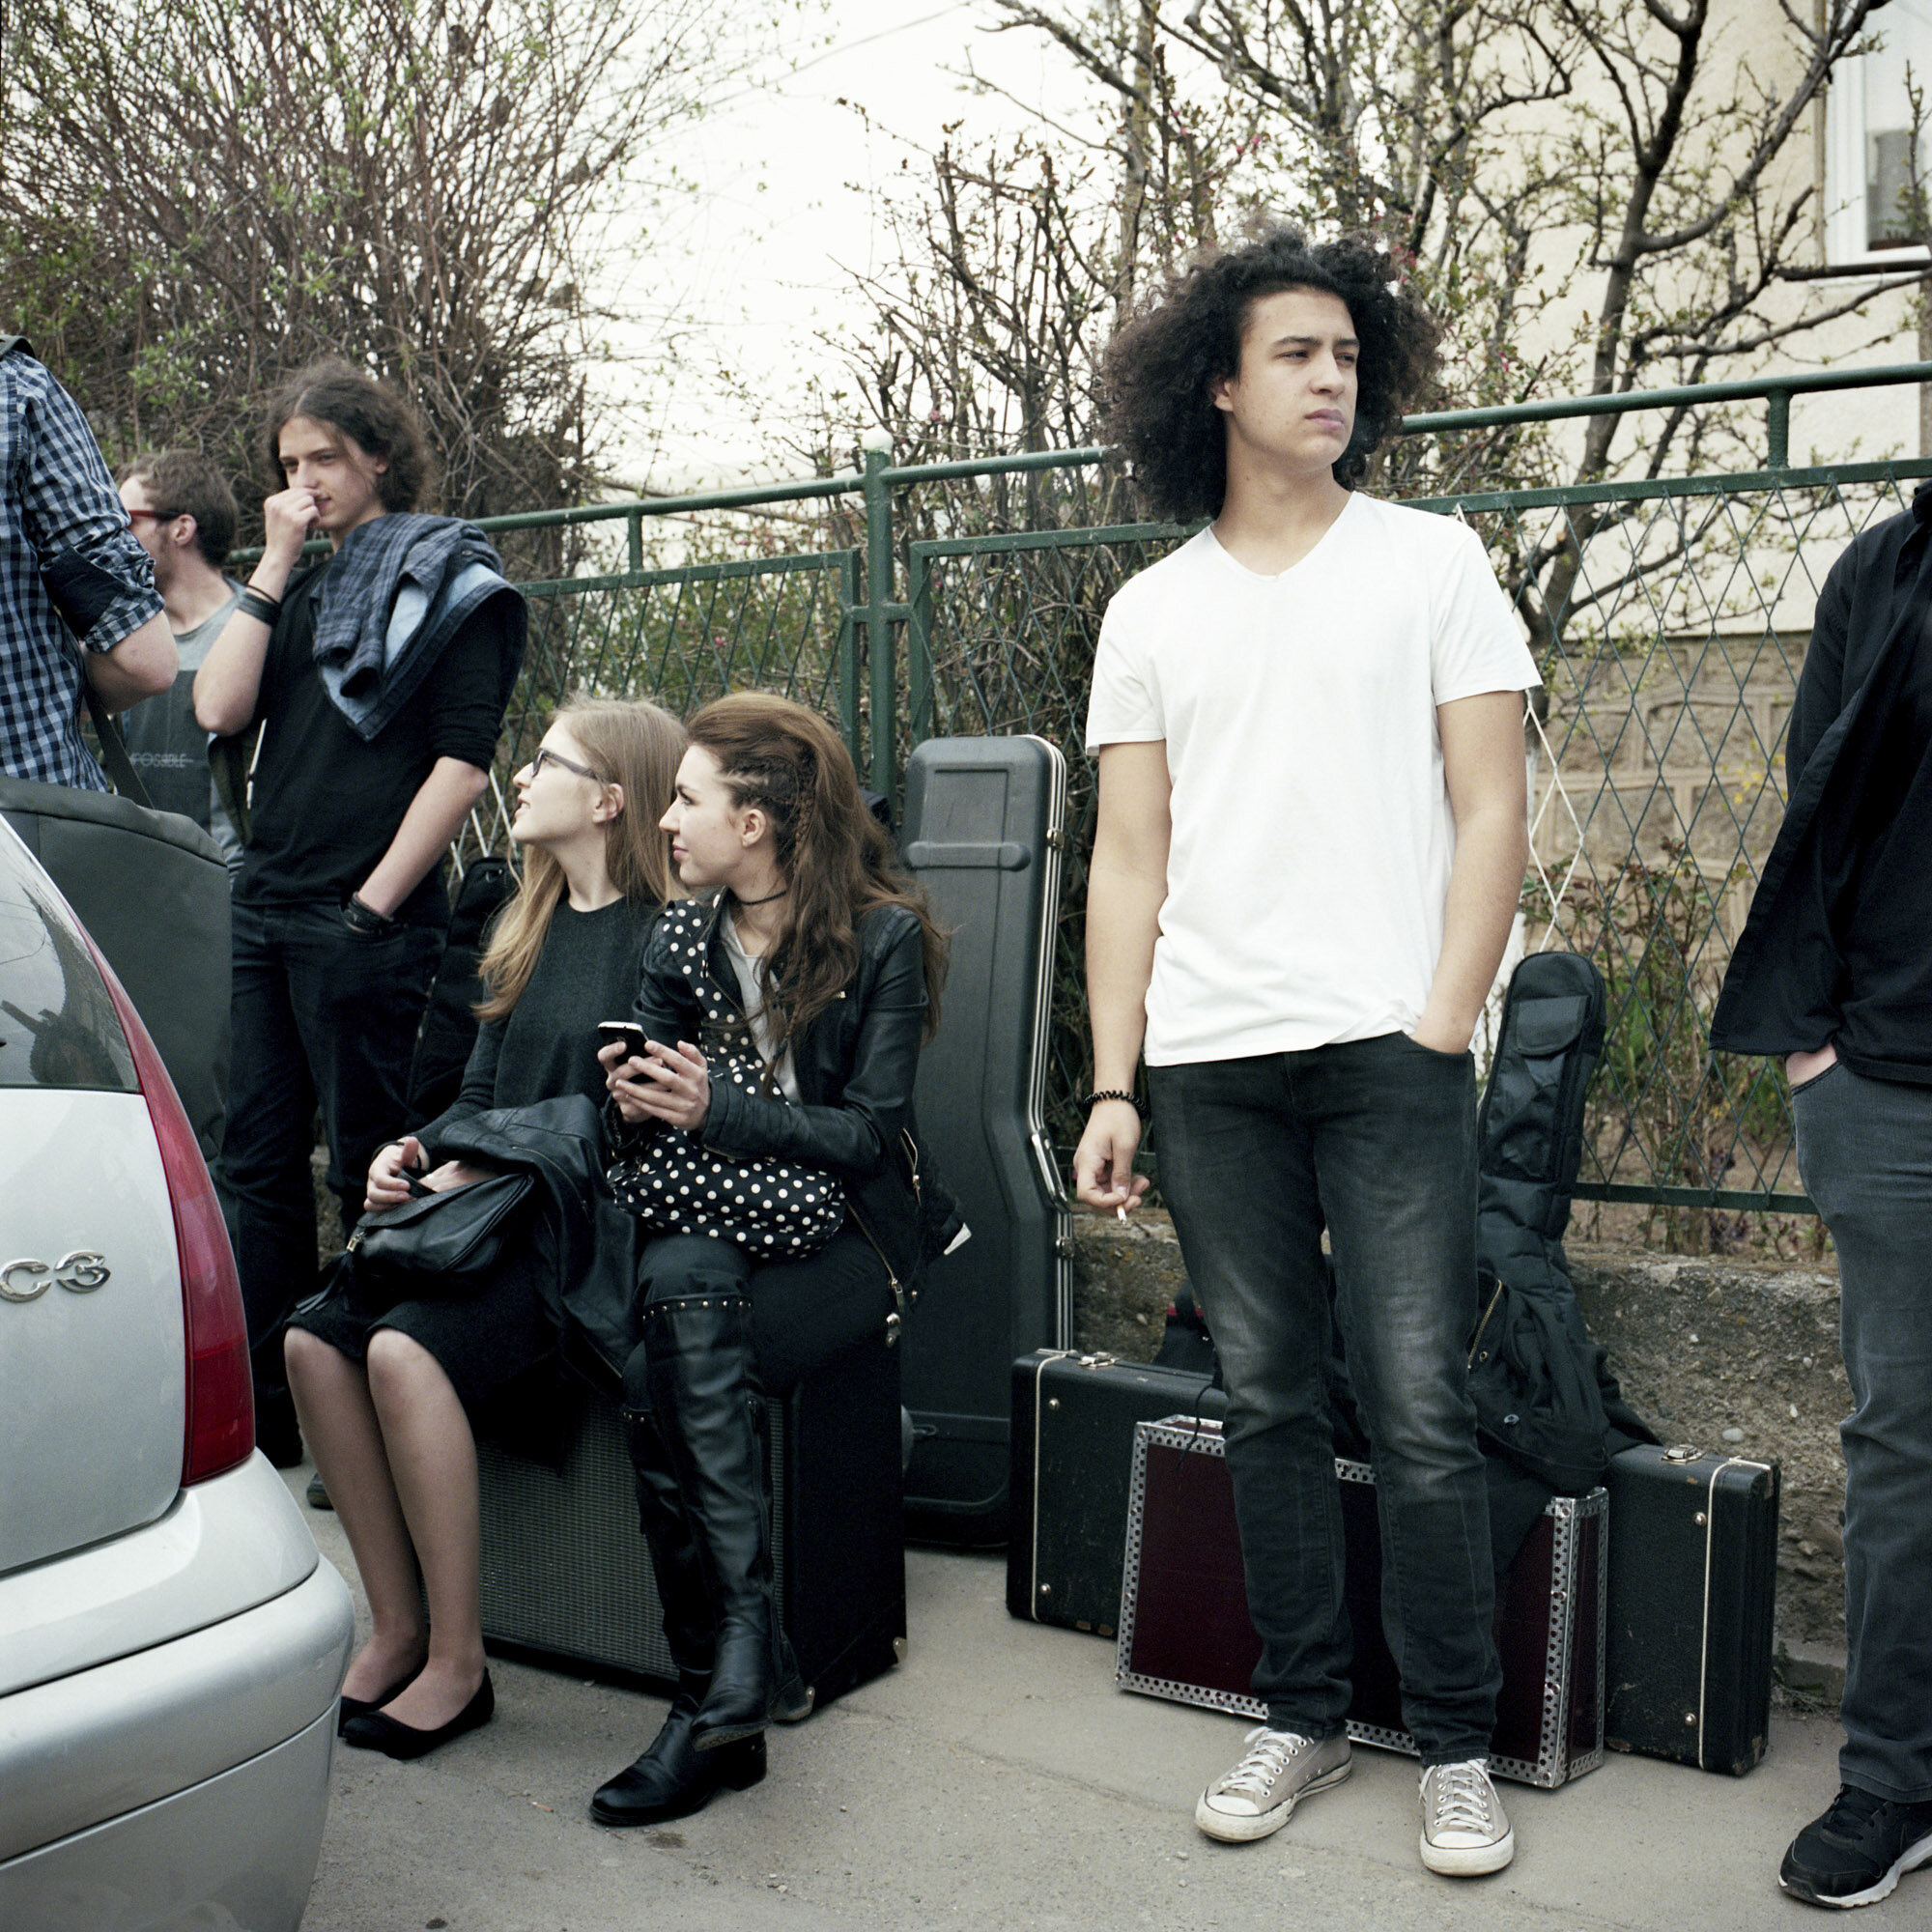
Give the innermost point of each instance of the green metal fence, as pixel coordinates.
(1668, 616)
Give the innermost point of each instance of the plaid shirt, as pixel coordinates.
(55, 496)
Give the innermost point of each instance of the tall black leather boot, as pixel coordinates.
(690, 1624)
(669, 1778)
(705, 1398)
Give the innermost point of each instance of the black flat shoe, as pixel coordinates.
(673, 1780)
(373, 1731)
(360, 1707)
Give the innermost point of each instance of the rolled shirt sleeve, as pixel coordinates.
(97, 576)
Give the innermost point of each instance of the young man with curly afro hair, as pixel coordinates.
(1311, 838)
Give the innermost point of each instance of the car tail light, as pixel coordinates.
(220, 1427)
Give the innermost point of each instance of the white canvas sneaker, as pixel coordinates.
(1464, 1830)
(1257, 1796)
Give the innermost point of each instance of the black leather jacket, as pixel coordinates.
(855, 1063)
(584, 1245)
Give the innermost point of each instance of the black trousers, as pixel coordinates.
(323, 1017)
(804, 1313)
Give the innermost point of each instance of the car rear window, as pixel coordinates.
(57, 1025)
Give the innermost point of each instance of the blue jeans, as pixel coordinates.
(1864, 1147)
(323, 1017)
(1376, 1141)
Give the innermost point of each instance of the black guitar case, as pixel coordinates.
(984, 829)
(152, 890)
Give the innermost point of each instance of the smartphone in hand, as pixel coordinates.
(629, 1032)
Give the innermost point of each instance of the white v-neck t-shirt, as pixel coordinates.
(1312, 835)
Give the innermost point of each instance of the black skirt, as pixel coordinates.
(481, 1341)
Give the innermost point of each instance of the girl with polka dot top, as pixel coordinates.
(804, 930)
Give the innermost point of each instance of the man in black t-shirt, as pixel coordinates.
(380, 678)
(1834, 971)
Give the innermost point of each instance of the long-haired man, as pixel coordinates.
(379, 676)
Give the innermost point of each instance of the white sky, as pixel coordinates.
(761, 259)
(783, 214)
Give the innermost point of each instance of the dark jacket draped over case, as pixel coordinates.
(584, 1247)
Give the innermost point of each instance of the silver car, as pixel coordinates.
(171, 1645)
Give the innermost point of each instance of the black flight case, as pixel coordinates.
(1693, 1577)
(1072, 1468)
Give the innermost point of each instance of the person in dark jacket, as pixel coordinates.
(386, 1393)
(1833, 972)
(812, 935)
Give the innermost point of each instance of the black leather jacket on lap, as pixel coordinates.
(585, 1246)
(855, 1065)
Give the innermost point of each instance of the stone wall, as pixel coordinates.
(1734, 1356)
(1740, 1356)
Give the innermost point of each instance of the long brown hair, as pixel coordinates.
(373, 416)
(634, 744)
(833, 856)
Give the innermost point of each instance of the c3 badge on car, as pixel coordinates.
(80, 1273)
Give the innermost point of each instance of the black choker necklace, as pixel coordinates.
(766, 901)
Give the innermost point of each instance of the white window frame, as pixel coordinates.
(1844, 183)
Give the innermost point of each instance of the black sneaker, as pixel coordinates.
(1857, 1851)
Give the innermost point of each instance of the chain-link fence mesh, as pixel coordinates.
(1669, 620)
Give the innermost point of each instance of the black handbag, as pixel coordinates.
(439, 1243)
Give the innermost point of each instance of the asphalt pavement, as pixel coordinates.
(998, 1779)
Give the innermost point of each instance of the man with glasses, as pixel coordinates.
(69, 571)
(182, 514)
(379, 678)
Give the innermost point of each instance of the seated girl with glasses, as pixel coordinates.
(386, 1396)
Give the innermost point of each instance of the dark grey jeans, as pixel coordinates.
(1866, 1149)
(1376, 1140)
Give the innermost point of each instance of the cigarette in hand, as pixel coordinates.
(1121, 1214)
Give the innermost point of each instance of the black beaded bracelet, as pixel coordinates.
(1115, 1094)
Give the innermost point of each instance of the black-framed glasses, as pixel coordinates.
(546, 756)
